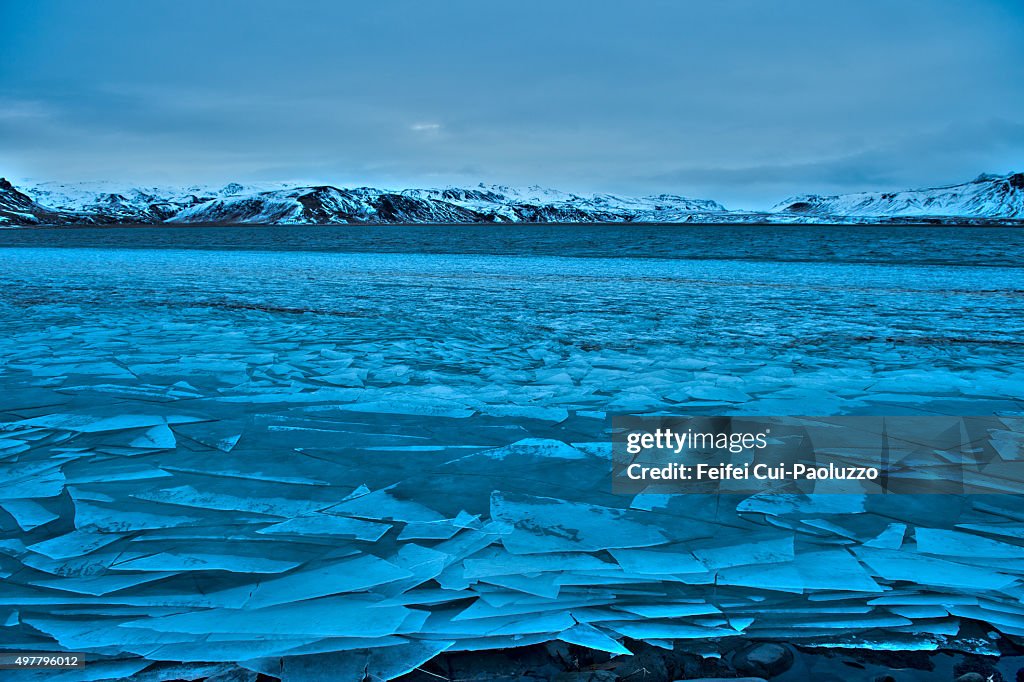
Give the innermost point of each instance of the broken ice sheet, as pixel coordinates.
(188, 496)
(539, 448)
(99, 585)
(321, 579)
(382, 505)
(541, 413)
(670, 609)
(1011, 530)
(890, 538)
(730, 549)
(847, 622)
(135, 390)
(944, 542)
(28, 514)
(930, 571)
(108, 518)
(1006, 618)
(11, 446)
(428, 530)
(189, 648)
(441, 624)
(259, 466)
(661, 561)
(1009, 444)
(89, 423)
(422, 406)
(654, 629)
(497, 562)
(196, 561)
(803, 505)
(74, 544)
(95, 470)
(805, 572)
(919, 611)
(327, 524)
(498, 642)
(91, 564)
(347, 616)
(257, 380)
(590, 637)
(543, 524)
(324, 645)
(220, 435)
(539, 584)
(159, 437)
(32, 480)
(522, 604)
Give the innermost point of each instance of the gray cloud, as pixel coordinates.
(739, 100)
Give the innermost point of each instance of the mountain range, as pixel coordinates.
(988, 199)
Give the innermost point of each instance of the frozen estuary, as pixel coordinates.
(329, 459)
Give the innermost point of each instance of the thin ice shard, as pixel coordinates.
(544, 524)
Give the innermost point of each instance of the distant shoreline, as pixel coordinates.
(940, 222)
(984, 201)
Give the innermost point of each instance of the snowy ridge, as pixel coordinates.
(984, 197)
(16, 207)
(985, 200)
(98, 203)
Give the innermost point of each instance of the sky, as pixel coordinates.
(742, 101)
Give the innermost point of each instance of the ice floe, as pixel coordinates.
(291, 475)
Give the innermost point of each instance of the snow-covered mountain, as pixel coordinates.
(987, 196)
(17, 208)
(101, 203)
(987, 199)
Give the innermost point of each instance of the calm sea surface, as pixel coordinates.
(835, 244)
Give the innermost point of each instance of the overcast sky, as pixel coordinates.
(744, 101)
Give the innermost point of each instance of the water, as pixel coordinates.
(185, 411)
(831, 244)
(847, 311)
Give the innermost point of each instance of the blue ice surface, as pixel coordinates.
(228, 454)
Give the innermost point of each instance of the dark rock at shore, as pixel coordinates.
(763, 659)
(970, 677)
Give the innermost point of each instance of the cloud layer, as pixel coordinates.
(742, 101)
